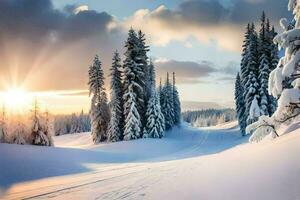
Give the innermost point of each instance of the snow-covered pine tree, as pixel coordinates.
(3, 126)
(167, 104)
(273, 60)
(240, 104)
(176, 102)
(133, 89)
(244, 62)
(264, 66)
(74, 124)
(39, 134)
(150, 80)
(251, 89)
(115, 131)
(288, 109)
(18, 133)
(99, 112)
(142, 77)
(155, 125)
(263, 77)
(268, 61)
(81, 122)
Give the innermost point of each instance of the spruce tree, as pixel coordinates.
(115, 132)
(176, 102)
(133, 88)
(251, 89)
(40, 134)
(155, 125)
(167, 104)
(240, 104)
(274, 58)
(244, 61)
(3, 126)
(143, 76)
(99, 112)
(264, 69)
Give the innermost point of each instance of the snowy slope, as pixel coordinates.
(211, 163)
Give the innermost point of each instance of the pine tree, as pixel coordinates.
(115, 132)
(167, 104)
(274, 58)
(133, 88)
(3, 126)
(99, 112)
(268, 60)
(155, 125)
(264, 69)
(74, 124)
(81, 123)
(176, 102)
(39, 134)
(150, 80)
(244, 62)
(143, 77)
(251, 89)
(240, 104)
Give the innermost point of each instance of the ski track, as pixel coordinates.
(119, 181)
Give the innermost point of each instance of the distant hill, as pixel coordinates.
(192, 105)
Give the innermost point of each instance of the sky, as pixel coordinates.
(46, 46)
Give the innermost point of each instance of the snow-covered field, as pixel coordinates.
(208, 163)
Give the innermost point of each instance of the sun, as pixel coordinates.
(16, 99)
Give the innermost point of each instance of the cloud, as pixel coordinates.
(44, 48)
(81, 9)
(232, 68)
(186, 71)
(206, 20)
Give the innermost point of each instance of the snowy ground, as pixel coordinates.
(211, 163)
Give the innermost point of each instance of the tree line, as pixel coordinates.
(259, 58)
(209, 117)
(69, 124)
(137, 109)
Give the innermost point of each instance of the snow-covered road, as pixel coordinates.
(212, 163)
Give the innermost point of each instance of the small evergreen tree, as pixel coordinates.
(155, 125)
(3, 126)
(115, 132)
(167, 104)
(99, 112)
(176, 102)
(40, 134)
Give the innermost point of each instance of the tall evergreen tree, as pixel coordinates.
(141, 60)
(240, 104)
(115, 132)
(99, 112)
(150, 80)
(176, 102)
(251, 90)
(155, 121)
(244, 61)
(133, 88)
(274, 59)
(167, 104)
